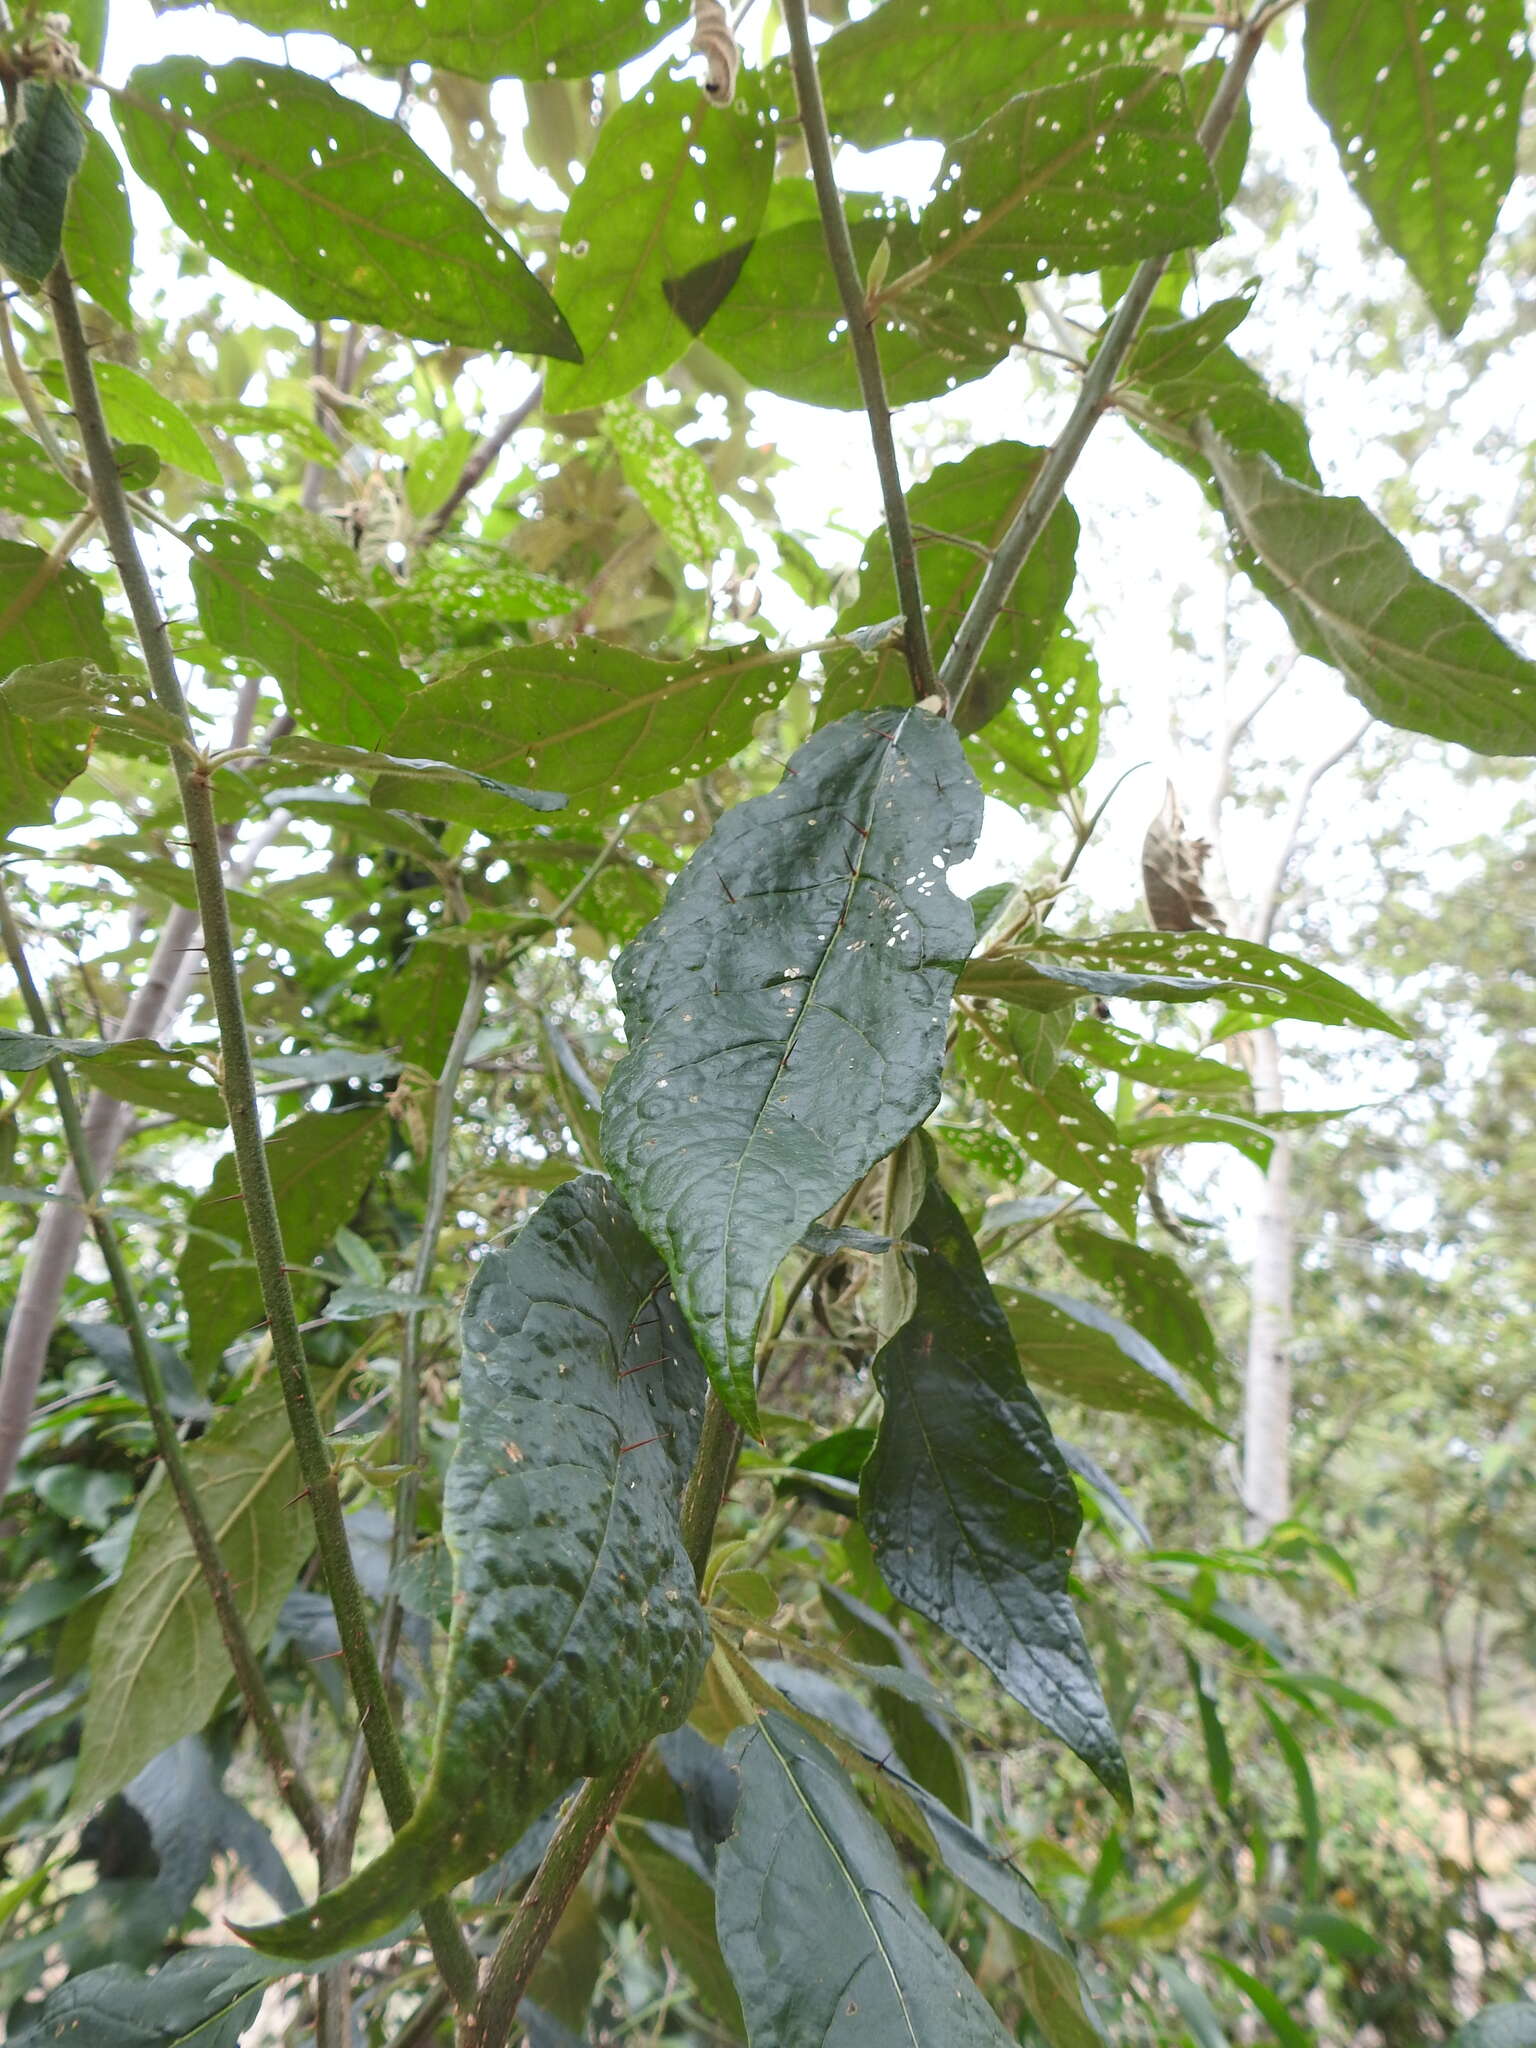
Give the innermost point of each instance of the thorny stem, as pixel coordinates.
(866, 352)
(288, 1777)
(448, 1944)
(991, 595)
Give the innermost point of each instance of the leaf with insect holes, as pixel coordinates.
(54, 618)
(328, 204)
(674, 183)
(577, 1633)
(786, 1011)
(46, 140)
(966, 1501)
(483, 39)
(605, 726)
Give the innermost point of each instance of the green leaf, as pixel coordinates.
(30, 486)
(577, 1633)
(970, 1509)
(922, 1741)
(1343, 1938)
(1194, 2008)
(786, 1011)
(320, 1165)
(973, 500)
(1106, 168)
(1060, 1124)
(670, 481)
(46, 691)
(46, 141)
(23, 1051)
(476, 590)
(435, 786)
(1424, 108)
(203, 1997)
(334, 658)
(1167, 351)
(1499, 2026)
(1413, 652)
(677, 1898)
(673, 183)
(1266, 2005)
(1082, 1352)
(158, 1666)
(1158, 1066)
(1256, 977)
(371, 231)
(1227, 395)
(1151, 1291)
(1163, 1130)
(824, 1940)
(1306, 1795)
(932, 336)
(1218, 1755)
(1012, 975)
(606, 726)
(484, 39)
(933, 67)
(53, 617)
(137, 412)
(1046, 738)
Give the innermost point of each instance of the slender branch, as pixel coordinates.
(449, 1946)
(991, 595)
(408, 1404)
(1262, 924)
(866, 353)
(479, 461)
(290, 1780)
(31, 404)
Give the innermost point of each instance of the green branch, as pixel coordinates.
(194, 780)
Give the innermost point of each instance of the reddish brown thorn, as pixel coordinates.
(625, 1371)
(725, 885)
(302, 1494)
(640, 1445)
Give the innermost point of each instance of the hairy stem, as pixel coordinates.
(991, 595)
(861, 336)
(193, 779)
(289, 1779)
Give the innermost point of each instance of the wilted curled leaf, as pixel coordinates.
(1172, 872)
(577, 1632)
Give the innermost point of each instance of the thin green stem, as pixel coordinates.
(31, 404)
(859, 314)
(192, 775)
(288, 1777)
(958, 668)
(56, 558)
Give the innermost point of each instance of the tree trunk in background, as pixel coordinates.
(1267, 1382)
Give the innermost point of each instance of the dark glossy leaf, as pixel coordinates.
(674, 183)
(972, 500)
(1060, 1125)
(204, 1997)
(1151, 1291)
(23, 1051)
(45, 143)
(933, 336)
(932, 67)
(577, 1633)
(158, 1666)
(55, 617)
(1413, 652)
(606, 726)
(1258, 978)
(677, 1898)
(30, 486)
(1424, 108)
(1499, 2026)
(476, 38)
(786, 1012)
(334, 658)
(966, 1500)
(320, 1164)
(1157, 1066)
(923, 1743)
(824, 1940)
(1081, 1351)
(1104, 169)
(329, 205)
